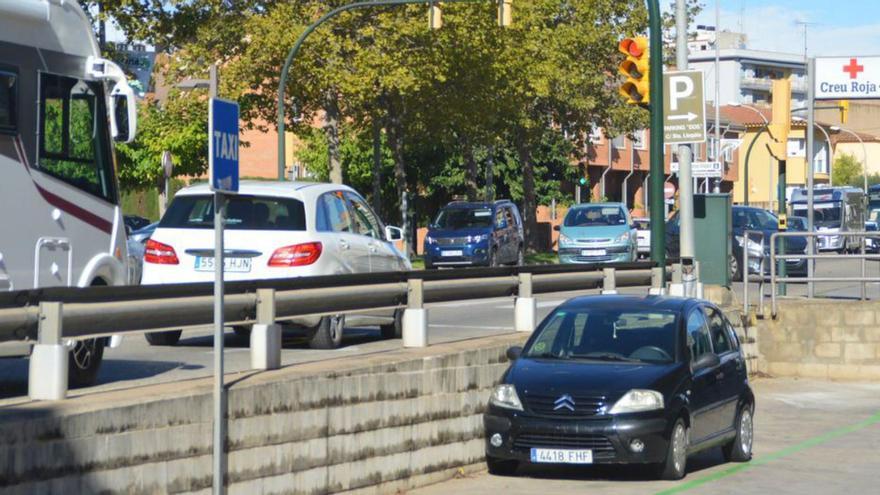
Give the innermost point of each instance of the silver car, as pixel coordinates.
(277, 230)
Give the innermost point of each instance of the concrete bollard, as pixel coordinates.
(415, 317)
(525, 308)
(266, 334)
(676, 288)
(609, 282)
(657, 285)
(47, 370)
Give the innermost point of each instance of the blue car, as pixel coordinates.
(475, 234)
(597, 233)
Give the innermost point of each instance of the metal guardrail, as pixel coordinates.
(48, 317)
(863, 257)
(746, 273)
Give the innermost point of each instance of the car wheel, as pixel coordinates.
(393, 330)
(84, 362)
(740, 448)
(675, 465)
(501, 467)
(328, 333)
(735, 270)
(243, 331)
(163, 338)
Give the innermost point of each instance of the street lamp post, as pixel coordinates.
(828, 152)
(864, 153)
(751, 145)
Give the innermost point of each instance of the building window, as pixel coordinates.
(8, 101)
(619, 142)
(638, 140)
(595, 135)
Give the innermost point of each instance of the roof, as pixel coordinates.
(666, 303)
(587, 205)
(269, 188)
(760, 56)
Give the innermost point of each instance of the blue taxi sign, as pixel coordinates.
(223, 143)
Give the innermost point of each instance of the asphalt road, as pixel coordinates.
(811, 437)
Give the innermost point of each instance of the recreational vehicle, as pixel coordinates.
(836, 211)
(61, 107)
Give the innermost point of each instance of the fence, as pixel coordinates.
(48, 317)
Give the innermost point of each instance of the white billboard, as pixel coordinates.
(847, 78)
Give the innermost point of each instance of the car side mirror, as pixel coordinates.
(127, 230)
(513, 353)
(393, 234)
(556, 228)
(123, 113)
(707, 360)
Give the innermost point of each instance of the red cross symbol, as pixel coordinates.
(853, 68)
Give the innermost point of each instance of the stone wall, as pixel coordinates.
(822, 338)
(372, 424)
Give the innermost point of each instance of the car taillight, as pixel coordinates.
(296, 255)
(159, 254)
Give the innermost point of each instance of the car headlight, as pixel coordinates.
(624, 237)
(564, 239)
(429, 240)
(505, 396)
(477, 238)
(637, 400)
(751, 245)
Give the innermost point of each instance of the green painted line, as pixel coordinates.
(806, 444)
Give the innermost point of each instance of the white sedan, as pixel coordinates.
(276, 230)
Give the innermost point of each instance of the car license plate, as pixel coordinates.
(231, 265)
(562, 456)
(452, 253)
(592, 252)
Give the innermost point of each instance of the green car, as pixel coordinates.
(597, 233)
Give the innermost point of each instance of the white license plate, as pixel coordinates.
(452, 253)
(592, 252)
(230, 265)
(562, 456)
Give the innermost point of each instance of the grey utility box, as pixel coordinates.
(713, 233)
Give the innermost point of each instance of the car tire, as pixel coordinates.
(501, 467)
(740, 448)
(328, 333)
(243, 331)
(163, 338)
(84, 362)
(393, 330)
(675, 465)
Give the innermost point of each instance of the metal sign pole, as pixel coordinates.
(811, 121)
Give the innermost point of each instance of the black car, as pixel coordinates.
(753, 219)
(623, 380)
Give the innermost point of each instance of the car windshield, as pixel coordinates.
(797, 224)
(464, 218)
(595, 216)
(602, 334)
(824, 214)
(242, 213)
(755, 219)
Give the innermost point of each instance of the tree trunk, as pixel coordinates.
(395, 142)
(490, 175)
(530, 222)
(470, 170)
(377, 164)
(331, 129)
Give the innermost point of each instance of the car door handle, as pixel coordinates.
(344, 244)
(374, 247)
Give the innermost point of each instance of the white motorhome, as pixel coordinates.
(61, 106)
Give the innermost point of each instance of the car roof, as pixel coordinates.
(587, 205)
(477, 204)
(294, 189)
(631, 302)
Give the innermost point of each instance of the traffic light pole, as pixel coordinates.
(658, 220)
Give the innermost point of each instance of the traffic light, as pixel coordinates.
(435, 16)
(844, 111)
(780, 122)
(505, 13)
(636, 88)
(582, 181)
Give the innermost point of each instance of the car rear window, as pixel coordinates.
(242, 213)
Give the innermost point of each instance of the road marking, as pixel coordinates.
(794, 449)
(479, 327)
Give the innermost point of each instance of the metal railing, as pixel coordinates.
(863, 280)
(49, 317)
(746, 273)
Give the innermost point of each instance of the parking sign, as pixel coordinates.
(223, 145)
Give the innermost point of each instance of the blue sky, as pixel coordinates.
(840, 27)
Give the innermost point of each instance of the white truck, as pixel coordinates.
(61, 107)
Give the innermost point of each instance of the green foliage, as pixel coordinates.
(847, 170)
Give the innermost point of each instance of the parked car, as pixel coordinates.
(623, 380)
(797, 224)
(136, 246)
(597, 233)
(872, 242)
(475, 234)
(753, 219)
(277, 230)
(134, 222)
(643, 235)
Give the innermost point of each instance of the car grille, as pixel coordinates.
(452, 241)
(584, 406)
(599, 444)
(593, 241)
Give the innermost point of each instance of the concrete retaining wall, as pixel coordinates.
(375, 424)
(822, 338)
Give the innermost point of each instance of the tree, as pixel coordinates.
(693, 9)
(847, 170)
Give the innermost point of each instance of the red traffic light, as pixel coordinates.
(635, 47)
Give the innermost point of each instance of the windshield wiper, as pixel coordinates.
(603, 356)
(546, 355)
